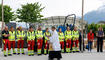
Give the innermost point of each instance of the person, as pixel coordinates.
(54, 45)
(39, 37)
(81, 41)
(68, 38)
(31, 41)
(12, 39)
(75, 34)
(5, 37)
(20, 40)
(47, 34)
(100, 35)
(61, 38)
(90, 39)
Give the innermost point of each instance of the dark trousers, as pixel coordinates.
(89, 45)
(55, 54)
(100, 44)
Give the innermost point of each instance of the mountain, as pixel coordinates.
(96, 15)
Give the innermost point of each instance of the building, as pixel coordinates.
(59, 20)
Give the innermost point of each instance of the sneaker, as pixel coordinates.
(9, 54)
(29, 55)
(14, 53)
(23, 53)
(18, 53)
(39, 54)
(32, 54)
(5, 55)
(45, 54)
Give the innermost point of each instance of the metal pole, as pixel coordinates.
(2, 20)
(2, 17)
(82, 24)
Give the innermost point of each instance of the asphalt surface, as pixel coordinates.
(66, 56)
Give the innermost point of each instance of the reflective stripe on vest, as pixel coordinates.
(68, 34)
(61, 35)
(39, 34)
(31, 35)
(75, 34)
(12, 35)
(20, 34)
(47, 35)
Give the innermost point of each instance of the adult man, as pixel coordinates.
(54, 45)
(100, 35)
(61, 38)
(75, 34)
(39, 37)
(68, 38)
(5, 35)
(12, 39)
(47, 34)
(20, 40)
(31, 41)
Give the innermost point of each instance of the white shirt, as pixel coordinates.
(54, 40)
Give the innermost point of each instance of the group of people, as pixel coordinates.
(51, 40)
(10, 36)
(99, 35)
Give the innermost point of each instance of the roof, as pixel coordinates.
(55, 20)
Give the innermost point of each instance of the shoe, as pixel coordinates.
(9, 54)
(70, 52)
(18, 53)
(73, 51)
(39, 54)
(45, 54)
(78, 51)
(14, 53)
(29, 55)
(23, 53)
(5, 55)
(32, 54)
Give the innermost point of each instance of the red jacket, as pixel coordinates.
(90, 36)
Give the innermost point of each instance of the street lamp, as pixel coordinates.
(82, 24)
(2, 16)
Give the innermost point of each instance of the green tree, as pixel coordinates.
(8, 14)
(30, 13)
(95, 27)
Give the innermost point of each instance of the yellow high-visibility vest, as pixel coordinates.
(39, 34)
(61, 36)
(68, 35)
(30, 35)
(20, 34)
(12, 35)
(47, 35)
(75, 34)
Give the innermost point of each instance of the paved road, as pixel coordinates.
(66, 56)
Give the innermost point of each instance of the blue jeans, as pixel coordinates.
(89, 45)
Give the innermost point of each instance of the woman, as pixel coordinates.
(54, 45)
(61, 39)
(100, 35)
(90, 40)
(47, 34)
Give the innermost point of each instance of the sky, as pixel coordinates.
(59, 7)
